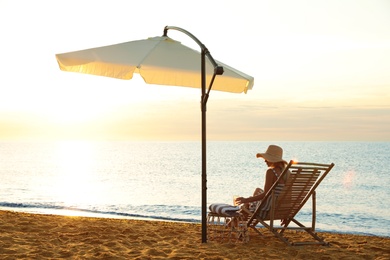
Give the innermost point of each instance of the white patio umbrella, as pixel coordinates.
(163, 61)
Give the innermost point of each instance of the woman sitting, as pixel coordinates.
(273, 157)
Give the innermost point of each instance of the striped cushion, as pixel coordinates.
(223, 209)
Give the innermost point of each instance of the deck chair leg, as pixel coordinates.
(275, 231)
(314, 209)
(310, 231)
(256, 230)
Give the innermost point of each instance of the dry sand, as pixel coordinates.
(35, 236)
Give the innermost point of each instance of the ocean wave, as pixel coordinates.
(150, 211)
(340, 223)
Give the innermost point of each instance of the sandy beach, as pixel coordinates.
(36, 236)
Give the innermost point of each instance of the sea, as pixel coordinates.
(162, 180)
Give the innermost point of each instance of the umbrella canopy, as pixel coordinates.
(163, 61)
(159, 60)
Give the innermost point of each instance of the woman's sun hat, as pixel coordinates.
(273, 154)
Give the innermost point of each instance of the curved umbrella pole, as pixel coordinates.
(218, 70)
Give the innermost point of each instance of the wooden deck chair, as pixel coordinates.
(300, 185)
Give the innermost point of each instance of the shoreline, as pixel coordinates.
(82, 213)
(43, 236)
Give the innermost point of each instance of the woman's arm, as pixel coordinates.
(269, 181)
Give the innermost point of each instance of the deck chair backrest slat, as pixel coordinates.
(318, 173)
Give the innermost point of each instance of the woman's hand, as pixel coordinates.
(240, 200)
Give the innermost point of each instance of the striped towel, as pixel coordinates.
(224, 209)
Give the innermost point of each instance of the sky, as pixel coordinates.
(321, 70)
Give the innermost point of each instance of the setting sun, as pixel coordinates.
(334, 70)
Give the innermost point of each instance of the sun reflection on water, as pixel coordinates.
(76, 163)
